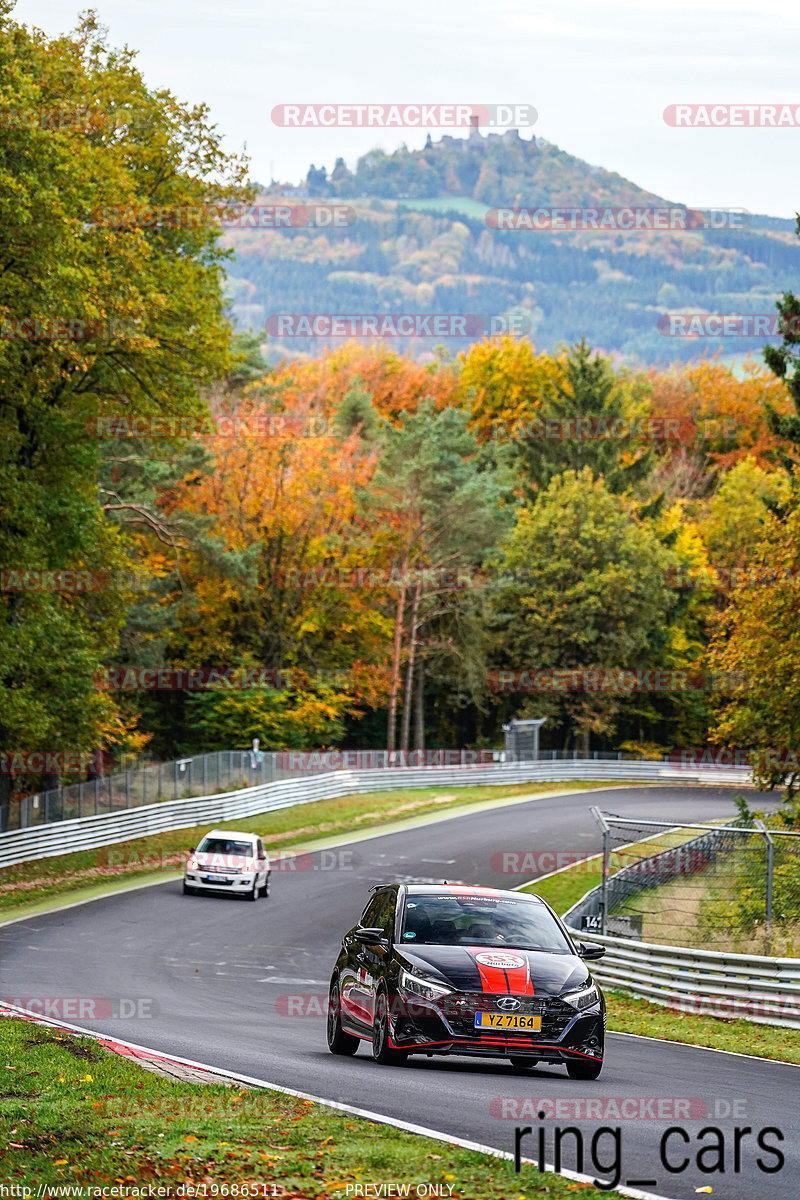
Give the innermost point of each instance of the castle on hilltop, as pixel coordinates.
(476, 138)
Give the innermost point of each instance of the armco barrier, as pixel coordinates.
(757, 988)
(106, 829)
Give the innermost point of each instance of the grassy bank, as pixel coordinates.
(135, 861)
(78, 1115)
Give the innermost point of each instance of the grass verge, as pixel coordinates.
(634, 1014)
(76, 1114)
(135, 861)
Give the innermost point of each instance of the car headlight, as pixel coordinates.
(582, 997)
(194, 865)
(423, 987)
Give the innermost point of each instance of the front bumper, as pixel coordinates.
(209, 881)
(447, 1026)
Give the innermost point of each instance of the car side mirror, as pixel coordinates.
(191, 850)
(370, 935)
(591, 950)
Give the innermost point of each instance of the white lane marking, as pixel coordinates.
(395, 1122)
(286, 979)
(447, 862)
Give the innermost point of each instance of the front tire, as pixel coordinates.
(265, 888)
(339, 1042)
(382, 1052)
(256, 892)
(585, 1068)
(188, 891)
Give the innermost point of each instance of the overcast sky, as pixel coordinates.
(598, 74)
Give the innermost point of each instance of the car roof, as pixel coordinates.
(231, 833)
(465, 889)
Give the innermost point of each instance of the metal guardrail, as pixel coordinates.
(106, 829)
(223, 770)
(756, 988)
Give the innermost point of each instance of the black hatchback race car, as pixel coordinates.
(450, 969)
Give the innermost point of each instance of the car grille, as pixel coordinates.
(461, 1008)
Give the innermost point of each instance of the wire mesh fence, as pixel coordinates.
(733, 887)
(199, 775)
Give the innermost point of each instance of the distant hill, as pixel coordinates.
(421, 243)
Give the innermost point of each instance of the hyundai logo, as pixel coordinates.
(509, 1003)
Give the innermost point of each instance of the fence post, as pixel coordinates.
(761, 827)
(144, 786)
(127, 789)
(205, 761)
(601, 821)
(96, 794)
(175, 779)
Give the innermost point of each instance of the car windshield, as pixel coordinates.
(218, 845)
(454, 920)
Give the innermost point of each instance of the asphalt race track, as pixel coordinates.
(216, 973)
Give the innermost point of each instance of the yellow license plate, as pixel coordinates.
(507, 1021)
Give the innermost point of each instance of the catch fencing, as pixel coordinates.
(737, 884)
(734, 887)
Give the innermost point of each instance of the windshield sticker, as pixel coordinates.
(409, 935)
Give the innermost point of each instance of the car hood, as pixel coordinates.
(487, 969)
